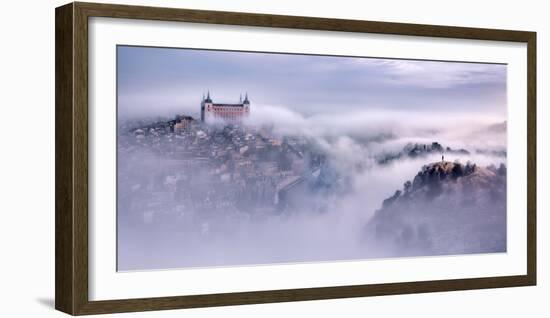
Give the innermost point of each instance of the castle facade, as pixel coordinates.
(212, 112)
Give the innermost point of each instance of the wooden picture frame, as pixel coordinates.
(71, 220)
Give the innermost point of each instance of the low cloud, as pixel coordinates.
(377, 126)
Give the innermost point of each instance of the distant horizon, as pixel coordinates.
(163, 82)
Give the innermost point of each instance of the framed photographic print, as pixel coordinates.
(210, 158)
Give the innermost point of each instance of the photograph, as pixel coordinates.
(240, 158)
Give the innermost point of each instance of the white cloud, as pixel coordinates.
(368, 123)
(433, 74)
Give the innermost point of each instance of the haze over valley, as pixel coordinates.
(238, 158)
(309, 190)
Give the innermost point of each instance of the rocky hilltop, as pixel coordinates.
(421, 150)
(447, 208)
(414, 150)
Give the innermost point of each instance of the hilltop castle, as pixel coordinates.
(226, 112)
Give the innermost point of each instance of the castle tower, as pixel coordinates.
(206, 107)
(246, 105)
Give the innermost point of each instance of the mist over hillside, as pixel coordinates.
(447, 208)
(282, 187)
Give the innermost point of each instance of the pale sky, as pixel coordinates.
(166, 81)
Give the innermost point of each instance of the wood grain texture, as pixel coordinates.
(64, 235)
(72, 279)
(297, 22)
(165, 303)
(532, 158)
(80, 146)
